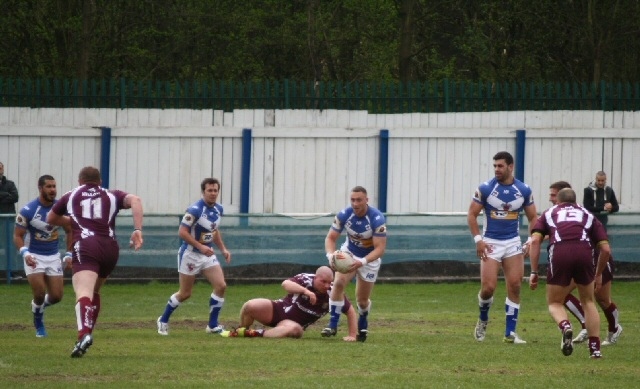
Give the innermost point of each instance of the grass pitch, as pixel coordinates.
(420, 337)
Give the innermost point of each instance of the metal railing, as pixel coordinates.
(374, 96)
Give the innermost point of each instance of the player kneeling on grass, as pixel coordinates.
(306, 301)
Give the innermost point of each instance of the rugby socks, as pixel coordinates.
(484, 305)
(96, 308)
(215, 305)
(512, 310)
(335, 308)
(172, 304)
(594, 344)
(46, 301)
(248, 333)
(84, 316)
(38, 313)
(363, 324)
(564, 324)
(611, 313)
(572, 303)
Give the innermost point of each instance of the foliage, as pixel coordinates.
(421, 336)
(401, 40)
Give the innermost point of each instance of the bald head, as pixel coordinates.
(325, 272)
(323, 279)
(567, 195)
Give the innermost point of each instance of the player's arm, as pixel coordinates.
(292, 287)
(379, 247)
(534, 256)
(352, 324)
(330, 243)
(472, 217)
(184, 232)
(472, 220)
(135, 203)
(19, 232)
(603, 258)
(56, 219)
(217, 239)
(532, 216)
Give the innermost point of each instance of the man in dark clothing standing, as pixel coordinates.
(600, 199)
(8, 193)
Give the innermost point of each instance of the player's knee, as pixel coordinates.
(220, 288)
(296, 332)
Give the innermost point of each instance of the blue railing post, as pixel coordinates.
(521, 136)
(383, 175)
(105, 155)
(246, 170)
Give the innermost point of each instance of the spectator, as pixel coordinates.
(8, 193)
(600, 199)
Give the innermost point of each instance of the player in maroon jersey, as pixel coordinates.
(91, 212)
(306, 301)
(603, 295)
(573, 232)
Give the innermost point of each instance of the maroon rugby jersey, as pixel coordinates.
(298, 308)
(570, 222)
(92, 209)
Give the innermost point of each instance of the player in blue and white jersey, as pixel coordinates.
(502, 199)
(38, 242)
(199, 230)
(366, 240)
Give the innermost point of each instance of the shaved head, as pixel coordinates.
(567, 195)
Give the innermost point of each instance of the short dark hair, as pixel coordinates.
(209, 181)
(89, 175)
(359, 189)
(558, 185)
(42, 179)
(508, 158)
(566, 195)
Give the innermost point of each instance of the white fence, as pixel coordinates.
(307, 161)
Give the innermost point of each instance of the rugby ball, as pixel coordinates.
(342, 261)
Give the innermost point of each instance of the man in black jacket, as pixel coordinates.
(600, 199)
(8, 193)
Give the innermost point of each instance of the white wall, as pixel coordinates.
(307, 161)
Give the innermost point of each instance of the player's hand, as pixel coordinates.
(481, 250)
(67, 260)
(310, 295)
(206, 250)
(136, 240)
(227, 256)
(357, 264)
(526, 247)
(598, 282)
(30, 261)
(349, 338)
(533, 281)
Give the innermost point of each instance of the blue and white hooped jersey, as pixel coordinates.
(41, 237)
(360, 230)
(502, 205)
(203, 222)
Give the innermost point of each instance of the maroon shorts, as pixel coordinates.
(570, 260)
(97, 254)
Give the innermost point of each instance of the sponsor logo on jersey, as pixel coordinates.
(504, 215)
